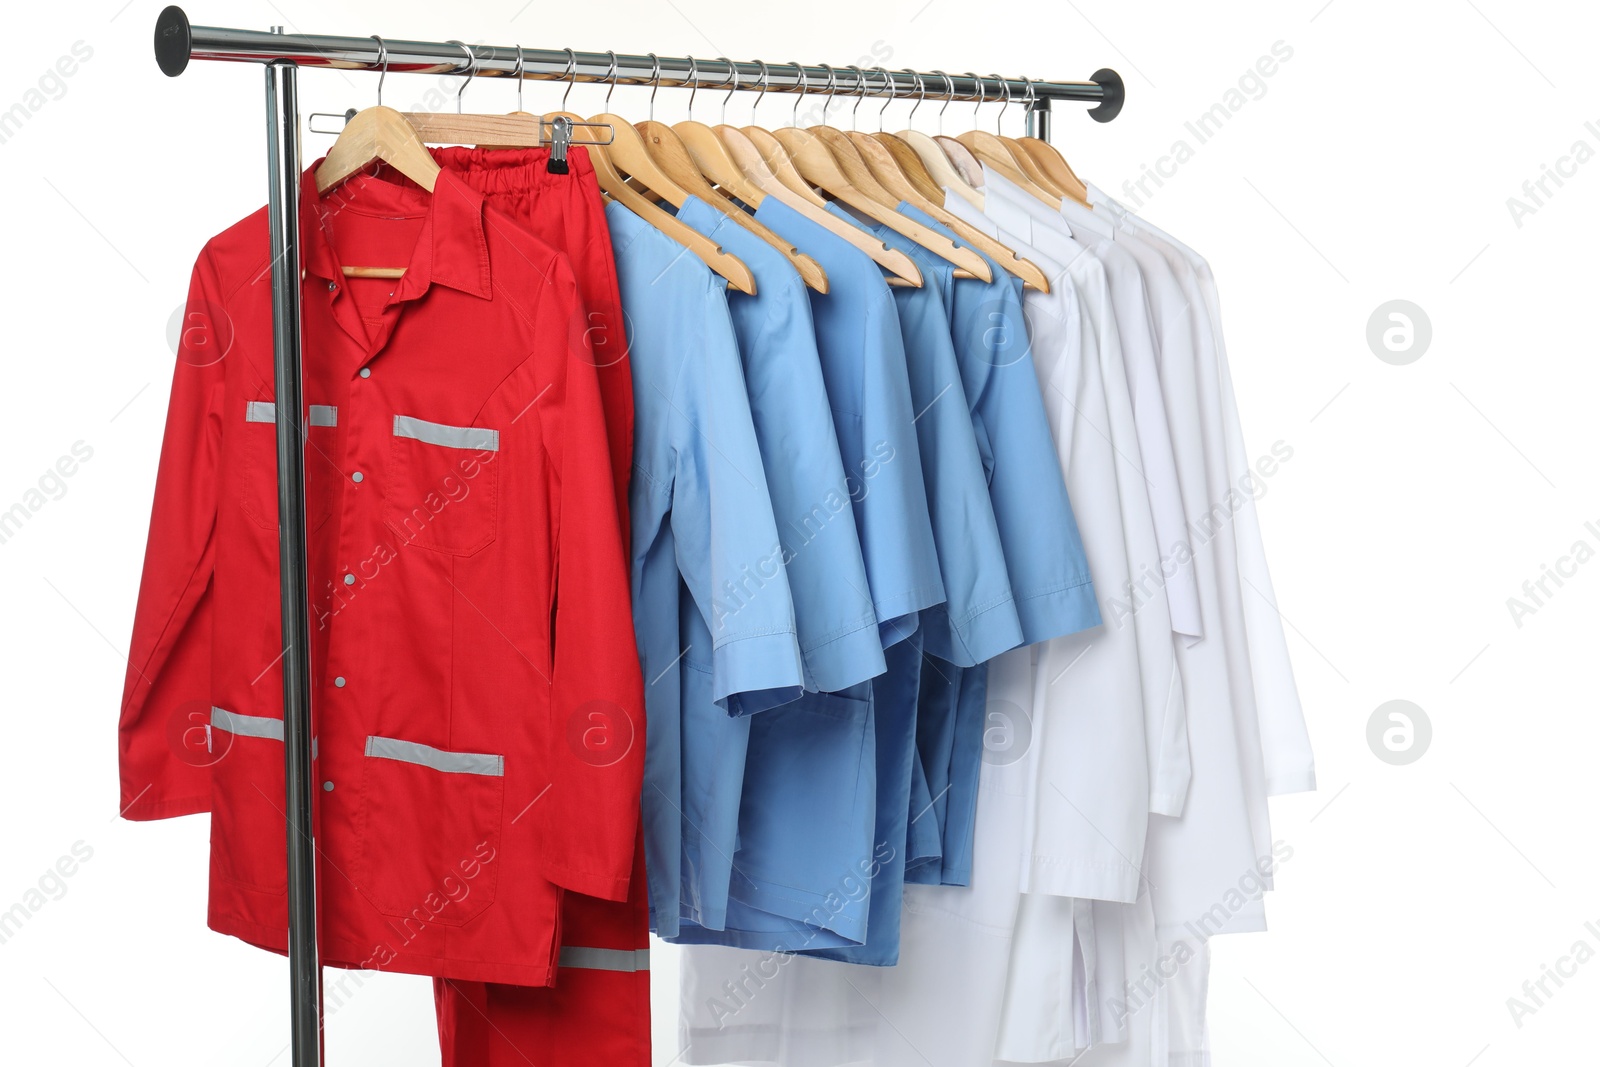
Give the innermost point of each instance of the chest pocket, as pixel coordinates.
(259, 464)
(442, 491)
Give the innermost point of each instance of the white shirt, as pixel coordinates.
(1090, 771)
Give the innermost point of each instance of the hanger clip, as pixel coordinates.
(560, 139)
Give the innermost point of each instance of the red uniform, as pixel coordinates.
(476, 700)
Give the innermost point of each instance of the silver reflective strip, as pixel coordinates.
(247, 725)
(437, 758)
(606, 959)
(267, 411)
(434, 433)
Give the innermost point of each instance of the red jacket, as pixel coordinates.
(476, 696)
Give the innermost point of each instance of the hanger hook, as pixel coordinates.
(922, 94)
(805, 87)
(949, 95)
(977, 84)
(694, 84)
(655, 82)
(611, 74)
(861, 93)
(572, 73)
(518, 75)
(766, 75)
(827, 101)
(1027, 104)
(383, 65)
(472, 69)
(1006, 85)
(888, 81)
(733, 76)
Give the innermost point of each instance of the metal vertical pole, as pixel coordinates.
(1039, 120)
(283, 213)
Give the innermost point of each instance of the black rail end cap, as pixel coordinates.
(1110, 106)
(172, 41)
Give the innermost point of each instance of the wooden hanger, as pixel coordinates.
(891, 173)
(377, 135)
(934, 161)
(1050, 160)
(761, 182)
(849, 177)
(990, 149)
(965, 163)
(628, 153)
(887, 170)
(667, 149)
(908, 161)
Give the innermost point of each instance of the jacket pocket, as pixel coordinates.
(248, 842)
(259, 463)
(443, 482)
(430, 831)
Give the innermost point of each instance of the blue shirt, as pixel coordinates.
(1043, 552)
(978, 620)
(811, 498)
(701, 523)
(864, 370)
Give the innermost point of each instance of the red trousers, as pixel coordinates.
(598, 1012)
(596, 1015)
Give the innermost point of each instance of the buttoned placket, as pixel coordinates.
(356, 525)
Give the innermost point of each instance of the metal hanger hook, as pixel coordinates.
(612, 75)
(833, 79)
(922, 94)
(694, 84)
(733, 76)
(1006, 85)
(949, 95)
(518, 75)
(383, 65)
(655, 82)
(861, 94)
(472, 70)
(1027, 104)
(805, 87)
(888, 81)
(571, 74)
(766, 76)
(977, 84)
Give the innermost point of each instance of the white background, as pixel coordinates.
(1376, 165)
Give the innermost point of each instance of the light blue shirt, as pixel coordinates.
(702, 524)
(1043, 552)
(864, 370)
(800, 453)
(834, 616)
(978, 620)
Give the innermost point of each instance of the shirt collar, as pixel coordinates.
(452, 248)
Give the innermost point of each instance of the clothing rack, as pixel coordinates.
(177, 42)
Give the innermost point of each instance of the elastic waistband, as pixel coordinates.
(511, 170)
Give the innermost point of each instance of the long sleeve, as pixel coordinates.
(166, 707)
(1285, 743)
(596, 726)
